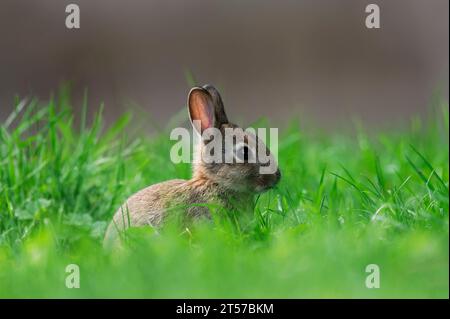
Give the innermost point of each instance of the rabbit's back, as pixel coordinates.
(146, 207)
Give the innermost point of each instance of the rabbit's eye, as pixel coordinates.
(243, 153)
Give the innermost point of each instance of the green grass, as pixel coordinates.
(346, 200)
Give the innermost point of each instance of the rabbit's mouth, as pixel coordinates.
(268, 181)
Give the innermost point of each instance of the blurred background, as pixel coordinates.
(269, 58)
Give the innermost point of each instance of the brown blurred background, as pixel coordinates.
(269, 58)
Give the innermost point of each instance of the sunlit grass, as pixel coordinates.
(346, 200)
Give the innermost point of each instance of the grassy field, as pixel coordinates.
(346, 200)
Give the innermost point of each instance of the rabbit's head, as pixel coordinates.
(227, 155)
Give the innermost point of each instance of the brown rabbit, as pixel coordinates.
(230, 185)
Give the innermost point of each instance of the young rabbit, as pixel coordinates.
(230, 185)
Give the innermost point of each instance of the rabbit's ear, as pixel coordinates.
(219, 109)
(201, 109)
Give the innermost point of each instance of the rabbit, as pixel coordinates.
(229, 185)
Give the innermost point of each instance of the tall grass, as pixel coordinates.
(346, 200)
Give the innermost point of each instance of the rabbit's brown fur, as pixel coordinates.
(231, 186)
